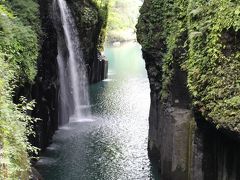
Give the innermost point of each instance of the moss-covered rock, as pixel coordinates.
(203, 39)
(91, 17)
(91, 20)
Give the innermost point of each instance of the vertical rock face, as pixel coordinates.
(46, 88)
(213, 154)
(170, 118)
(170, 129)
(182, 148)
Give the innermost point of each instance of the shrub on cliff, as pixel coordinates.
(91, 13)
(214, 60)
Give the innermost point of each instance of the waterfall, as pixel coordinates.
(73, 95)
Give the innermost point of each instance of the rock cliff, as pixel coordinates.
(184, 46)
(46, 87)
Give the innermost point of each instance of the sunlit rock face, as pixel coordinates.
(46, 88)
(182, 144)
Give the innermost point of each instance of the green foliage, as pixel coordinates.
(19, 39)
(15, 126)
(19, 30)
(210, 52)
(27, 11)
(214, 60)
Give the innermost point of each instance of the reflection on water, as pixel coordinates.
(114, 145)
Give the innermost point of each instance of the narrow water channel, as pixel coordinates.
(113, 144)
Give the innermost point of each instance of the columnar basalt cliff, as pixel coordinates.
(46, 88)
(192, 59)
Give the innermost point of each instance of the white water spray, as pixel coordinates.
(74, 98)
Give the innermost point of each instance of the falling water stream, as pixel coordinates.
(73, 96)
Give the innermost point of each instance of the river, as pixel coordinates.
(112, 145)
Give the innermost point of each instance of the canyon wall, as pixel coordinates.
(189, 49)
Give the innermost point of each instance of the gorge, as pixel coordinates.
(87, 106)
(111, 145)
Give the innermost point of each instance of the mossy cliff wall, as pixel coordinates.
(191, 49)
